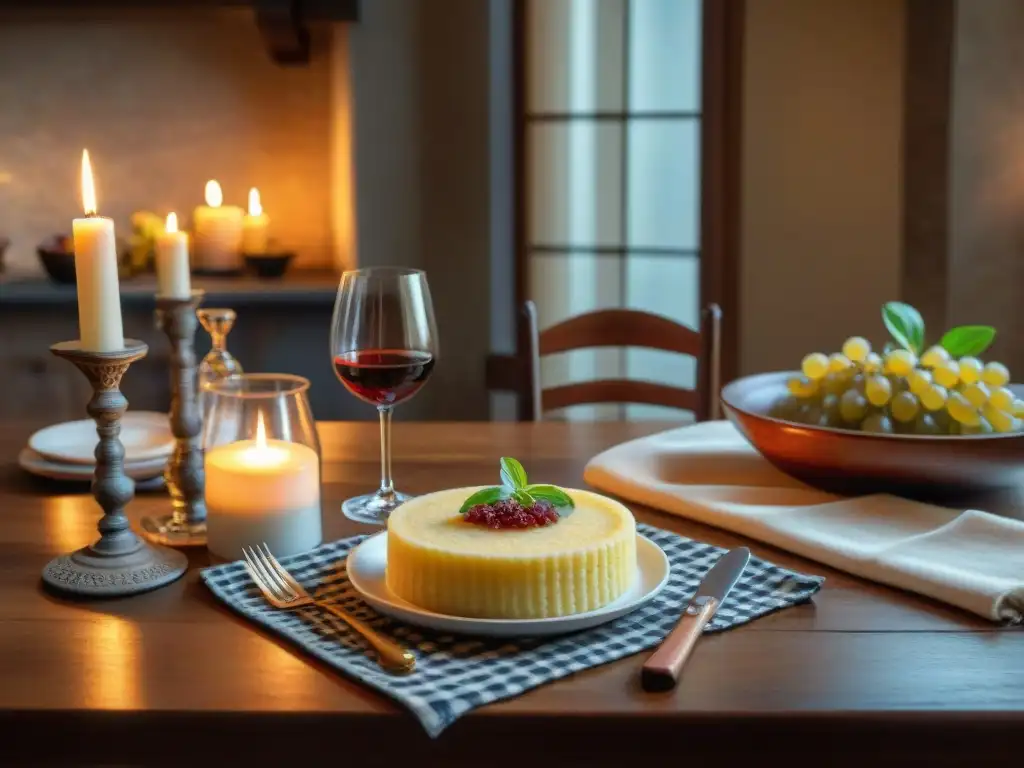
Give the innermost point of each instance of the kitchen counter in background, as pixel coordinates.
(283, 326)
(312, 288)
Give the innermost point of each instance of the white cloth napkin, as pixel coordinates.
(709, 473)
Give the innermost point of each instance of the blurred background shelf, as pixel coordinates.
(297, 287)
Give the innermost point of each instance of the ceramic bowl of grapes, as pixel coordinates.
(911, 417)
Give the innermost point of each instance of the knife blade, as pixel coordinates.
(661, 671)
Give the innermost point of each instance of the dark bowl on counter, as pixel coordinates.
(57, 255)
(58, 258)
(268, 265)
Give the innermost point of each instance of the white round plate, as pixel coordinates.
(367, 564)
(32, 462)
(145, 435)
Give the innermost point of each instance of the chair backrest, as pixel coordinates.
(613, 328)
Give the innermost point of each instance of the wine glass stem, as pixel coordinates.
(387, 488)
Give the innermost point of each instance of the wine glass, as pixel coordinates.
(384, 346)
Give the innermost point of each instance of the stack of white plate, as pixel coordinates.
(67, 451)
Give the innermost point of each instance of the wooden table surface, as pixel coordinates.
(862, 672)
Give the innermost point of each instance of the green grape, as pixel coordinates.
(970, 370)
(815, 365)
(853, 407)
(934, 357)
(934, 398)
(960, 408)
(898, 383)
(977, 394)
(953, 427)
(830, 406)
(873, 363)
(941, 419)
(1001, 399)
(947, 374)
(801, 386)
(785, 408)
(834, 421)
(858, 382)
(983, 427)
(995, 375)
(900, 362)
(809, 413)
(877, 422)
(878, 390)
(904, 407)
(837, 363)
(1018, 408)
(926, 424)
(856, 348)
(919, 381)
(834, 383)
(1000, 420)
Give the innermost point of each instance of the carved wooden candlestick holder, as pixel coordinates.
(185, 476)
(119, 563)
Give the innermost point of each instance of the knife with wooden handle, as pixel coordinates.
(661, 671)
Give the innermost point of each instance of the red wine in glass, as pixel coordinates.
(383, 348)
(383, 376)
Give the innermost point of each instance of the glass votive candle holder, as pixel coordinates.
(262, 460)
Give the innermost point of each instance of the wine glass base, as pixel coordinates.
(167, 531)
(373, 509)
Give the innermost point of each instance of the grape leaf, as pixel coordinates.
(905, 324)
(512, 473)
(485, 496)
(969, 340)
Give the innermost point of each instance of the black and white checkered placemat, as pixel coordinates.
(455, 674)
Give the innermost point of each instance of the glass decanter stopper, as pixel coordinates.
(219, 363)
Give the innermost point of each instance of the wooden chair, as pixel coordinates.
(611, 328)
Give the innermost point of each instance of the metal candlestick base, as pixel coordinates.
(119, 563)
(185, 476)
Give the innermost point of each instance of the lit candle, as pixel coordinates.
(172, 275)
(218, 232)
(254, 228)
(99, 292)
(262, 491)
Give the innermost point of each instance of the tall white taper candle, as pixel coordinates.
(99, 294)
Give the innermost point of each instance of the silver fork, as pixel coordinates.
(283, 591)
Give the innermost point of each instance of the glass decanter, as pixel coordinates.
(219, 364)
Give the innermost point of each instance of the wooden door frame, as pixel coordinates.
(721, 170)
(721, 142)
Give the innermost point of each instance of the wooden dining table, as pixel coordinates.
(861, 673)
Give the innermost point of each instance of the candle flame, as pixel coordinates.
(172, 222)
(88, 186)
(255, 207)
(261, 433)
(214, 194)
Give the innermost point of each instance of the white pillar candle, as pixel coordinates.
(262, 491)
(99, 294)
(172, 275)
(217, 232)
(255, 226)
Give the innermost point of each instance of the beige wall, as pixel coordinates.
(986, 207)
(163, 101)
(821, 175)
